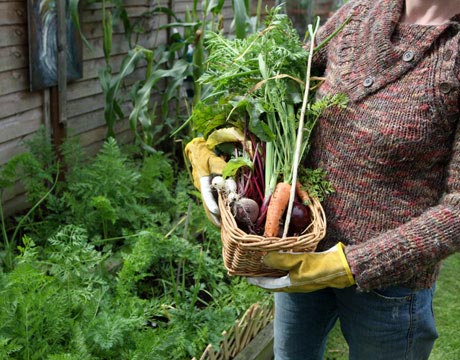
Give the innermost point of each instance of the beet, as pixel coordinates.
(300, 219)
(246, 210)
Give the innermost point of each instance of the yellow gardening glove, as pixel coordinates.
(307, 271)
(205, 164)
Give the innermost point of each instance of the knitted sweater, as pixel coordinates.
(393, 155)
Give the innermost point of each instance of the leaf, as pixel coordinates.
(104, 208)
(234, 165)
(262, 131)
(241, 18)
(112, 110)
(107, 34)
(143, 94)
(229, 134)
(74, 15)
(206, 118)
(215, 6)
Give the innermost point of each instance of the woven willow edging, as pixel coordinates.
(243, 253)
(241, 334)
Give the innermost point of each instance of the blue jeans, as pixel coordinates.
(391, 324)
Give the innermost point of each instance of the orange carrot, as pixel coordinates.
(302, 194)
(278, 204)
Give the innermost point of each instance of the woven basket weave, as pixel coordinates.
(243, 252)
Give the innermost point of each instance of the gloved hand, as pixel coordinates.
(205, 163)
(307, 271)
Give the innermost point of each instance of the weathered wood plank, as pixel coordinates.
(83, 88)
(260, 348)
(13, 57)
(119, 46)
(11, 148)
(87, 122)
(96, 14)
(16, 204)
(13, 81)
(85, 105)
(23, 100)
(91, 67)
(89, 87)
(13, 12)
(99, 134)
(98, 5)
(122, 138)
(93, 29)
(10, 193)
(11, 35)
(182, 6)
(20, 124)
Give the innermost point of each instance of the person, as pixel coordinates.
(393, 156)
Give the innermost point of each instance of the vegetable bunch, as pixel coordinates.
(262, 86)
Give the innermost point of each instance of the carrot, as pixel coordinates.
(276, 207)
(302, 194)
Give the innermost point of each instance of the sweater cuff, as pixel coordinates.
(359, 258)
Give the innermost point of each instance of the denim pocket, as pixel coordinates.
(394, 293)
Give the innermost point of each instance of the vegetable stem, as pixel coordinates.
(295, 166)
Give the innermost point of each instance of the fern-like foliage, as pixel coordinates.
(102, 195)
(117, 263)
(8, 347)
(157, 183)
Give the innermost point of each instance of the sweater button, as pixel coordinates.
(447, 55)
(368, 81)
(445, 87)
(408, 56)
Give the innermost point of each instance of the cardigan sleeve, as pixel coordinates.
(396, 256)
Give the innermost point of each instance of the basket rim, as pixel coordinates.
(318, 226)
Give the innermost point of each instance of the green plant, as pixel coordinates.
(67, 280)
(168, 68)
(155, 285)
(38, 170)
(100, 200)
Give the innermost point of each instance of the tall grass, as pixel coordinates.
(447, 314)
(447, 311)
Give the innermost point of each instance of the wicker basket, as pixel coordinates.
(243, 253)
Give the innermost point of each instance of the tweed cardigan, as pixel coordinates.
(393, 155)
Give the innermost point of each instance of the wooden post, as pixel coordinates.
(58, 106)
(58, 128)
(61, 12)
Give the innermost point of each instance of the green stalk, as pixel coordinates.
(270, 173)
(8, 258)
(10, 242)
(258, 13)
